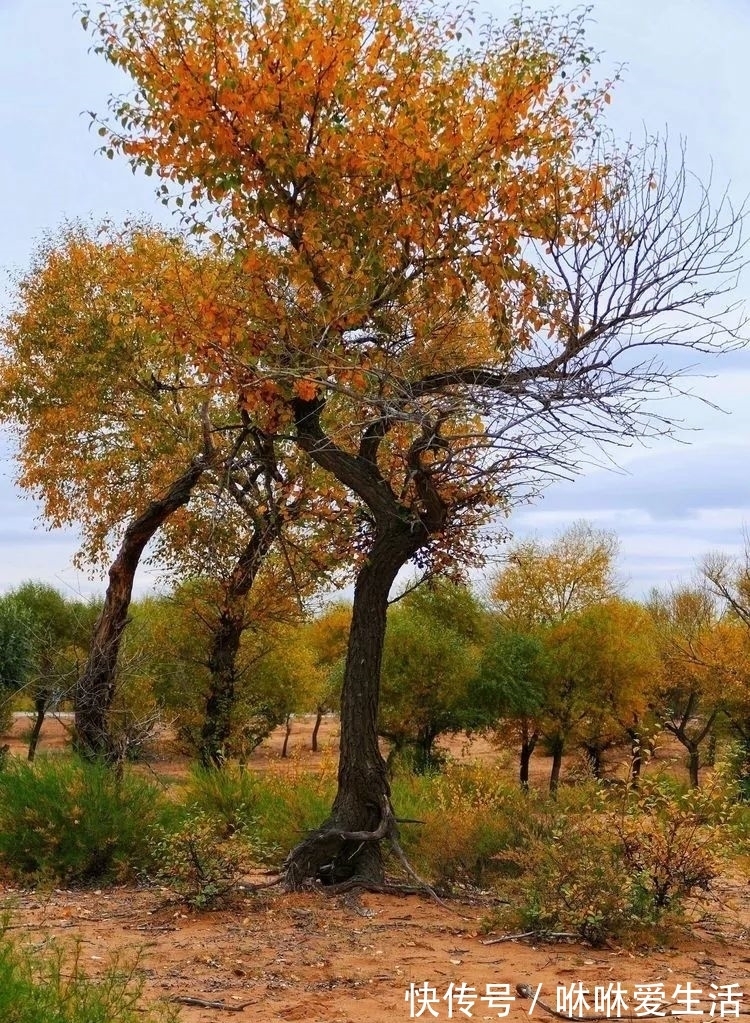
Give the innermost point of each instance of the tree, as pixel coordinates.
(617, 663)
(429, 662)
(448, 280)
(327, 636)
(59, 634)
(92, 353)
(15, 653)
(544, 591)
(510, 688)
(112, 425)
(697, 666)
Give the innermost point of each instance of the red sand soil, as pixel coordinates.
(351, 958)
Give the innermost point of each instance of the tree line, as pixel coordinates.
(551, 656)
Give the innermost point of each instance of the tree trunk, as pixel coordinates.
(95, 688)
(225, 644)
(316, 729)
(40, 707)
(287, 733)
(594, 757)
(557, 754)
(424, 756)
(362, 803)
(222, 664)
(528, 743)
(693, 764)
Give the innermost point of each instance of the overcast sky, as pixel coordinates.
(686, 68)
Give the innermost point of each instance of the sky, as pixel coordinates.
(685, 65)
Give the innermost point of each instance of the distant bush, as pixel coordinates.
(55, 989)
(67, 820)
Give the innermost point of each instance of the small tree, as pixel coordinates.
(510, 687)
(429, 662)
(696, 666)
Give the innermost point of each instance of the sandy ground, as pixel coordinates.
(352, 959)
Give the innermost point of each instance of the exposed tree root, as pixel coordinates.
(336, 840)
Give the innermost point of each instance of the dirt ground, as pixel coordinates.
(354, 959)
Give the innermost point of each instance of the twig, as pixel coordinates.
(205, 1003)
(509, 937)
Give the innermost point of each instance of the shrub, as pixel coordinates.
(469, 815)
(193, 862)
(673, 845)
(572, 880)
(67, 820)
(55, 989)
(613, 870)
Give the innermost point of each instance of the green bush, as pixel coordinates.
(270, 812)
(63, 819)
(196, 864)
(55, 989)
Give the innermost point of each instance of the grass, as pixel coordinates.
(54, 988)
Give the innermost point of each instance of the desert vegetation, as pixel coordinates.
(412, 280)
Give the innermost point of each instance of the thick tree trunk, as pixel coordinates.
(362, 805)
(316, 729)
(40, 712)
(225, 644)
(95, 688)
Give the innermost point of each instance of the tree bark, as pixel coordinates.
(95, 688)
(528, 743)
(557, 754)
(225, 644)
(363, 797)
(316, 729)
(287, 733)
(693, 765)
(40, 708)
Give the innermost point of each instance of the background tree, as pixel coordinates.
(696, 666)
(543, 591)
(60, 632)
(510, 687)
(15, 654)
(429, 661)
(447, 280)
(327, 636)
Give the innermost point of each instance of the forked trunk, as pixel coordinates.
(362, 802)
(95, 689)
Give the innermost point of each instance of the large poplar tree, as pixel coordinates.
(449, 283)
